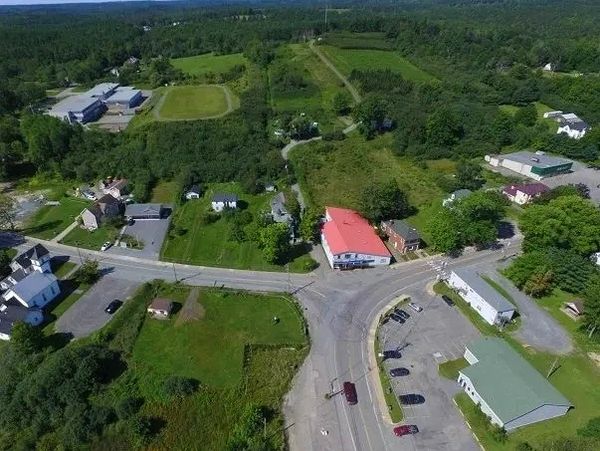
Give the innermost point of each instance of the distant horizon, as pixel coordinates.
(59, 2)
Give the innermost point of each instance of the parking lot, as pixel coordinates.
(87, 315)
(151, 231)
(581, 174)
(435, 335)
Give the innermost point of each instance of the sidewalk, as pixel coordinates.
(65, 232)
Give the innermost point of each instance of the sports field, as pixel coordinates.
(347, 60)
(203, 64)
(194, 102)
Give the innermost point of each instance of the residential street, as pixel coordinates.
(340, 308)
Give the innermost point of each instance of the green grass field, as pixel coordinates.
(49, 221)
(164, 192)
(203, 64)
(347, 40)
(541, 109)
(209, 244)
(193, 102)
(91, 239)
(235, 351)
(347, 60)
(335, 173)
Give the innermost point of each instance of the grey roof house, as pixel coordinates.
(456, 195)
(144, 211)
(510, 391)
(220, 201)
(279, 211)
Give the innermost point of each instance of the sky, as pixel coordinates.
(53, 2)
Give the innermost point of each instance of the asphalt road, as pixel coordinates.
(340, 308)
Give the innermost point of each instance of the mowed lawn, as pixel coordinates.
(210, 245)
(193, 102)
(336, 173)
(49, 221)
(347, 60)
(209, 62)
(91, 239)
(211, 349)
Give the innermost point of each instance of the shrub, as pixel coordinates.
(141, 429)
(128, 407)
(210, 217)
(336, 135)
(179, 387)
(88, 272)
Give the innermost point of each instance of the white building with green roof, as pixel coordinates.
(507, 388)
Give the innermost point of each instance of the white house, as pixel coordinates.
(36, 258)
(12, 312)
(116, 188)
(506, 387)
(573, 129)
(349, 241)
(34, 291)
(160, 308)
(193, 193)
(482, 297)
(549, 67)
(221, 201)
(522, 194)
(456, 195)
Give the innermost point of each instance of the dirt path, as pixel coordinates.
(192, 310)
(353, 91)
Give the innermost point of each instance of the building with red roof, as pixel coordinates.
(349, 241)
(521, 194)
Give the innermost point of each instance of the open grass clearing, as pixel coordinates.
(164, 192)
(194, 102)
(347, 60)
(210, 244)
(335, 173)
(235, 351)
(348, 40)
(209, 62)
(93, 239)
(61, 268)
(49, 221)
(541, 108)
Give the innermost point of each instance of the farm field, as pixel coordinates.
(209, 62)
(49, 221)
(333, 173)
(236, 350)
(347, 60)
(209, 244)
(194, 102)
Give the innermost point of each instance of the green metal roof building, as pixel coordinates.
(508, 389)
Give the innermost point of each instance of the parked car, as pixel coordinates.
(393, 354)
(405, 429)
(350, 393)
(397, 318)
(113, 306)
(401, 313)
(411, 398)
(105, 246)
(415, 307)
(447, 300)
(395, 372)
(89, 195)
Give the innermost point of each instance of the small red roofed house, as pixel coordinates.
(522, 194)
(349, 241)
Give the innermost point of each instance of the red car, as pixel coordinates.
(350, 393)
(405, 429)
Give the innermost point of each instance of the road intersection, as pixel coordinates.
(340, 308)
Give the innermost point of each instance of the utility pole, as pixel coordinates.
(175, 273)
(326, 11)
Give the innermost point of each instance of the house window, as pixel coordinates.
(348, 256)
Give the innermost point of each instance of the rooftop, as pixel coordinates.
(403, 229)
(143, 209)
(225, 197)
(108, 199)
(34, 253)
(124, 94)
(509, 385)
(73, 104)
(531, 189)
(348, 231)
(161, 304)
(540, 160)
(33, 284)
(484, 289)
(101, 89)
(10, 313)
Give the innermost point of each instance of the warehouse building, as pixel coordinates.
(124, 98)
(536, 165)
(80, 109)
(481, 296)
(102, 91)
(506, 387)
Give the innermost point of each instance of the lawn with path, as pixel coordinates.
(93, 239)
(49, 221)
(209, 62)
(347, 60)
(194, 102)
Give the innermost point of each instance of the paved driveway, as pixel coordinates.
(580, 174)
(151, 232)
(437, 334)
(87, 315)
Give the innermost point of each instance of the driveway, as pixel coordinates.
(151, 232)
(581, 174)
(435, 335)
(87, 315)
(538, 328)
